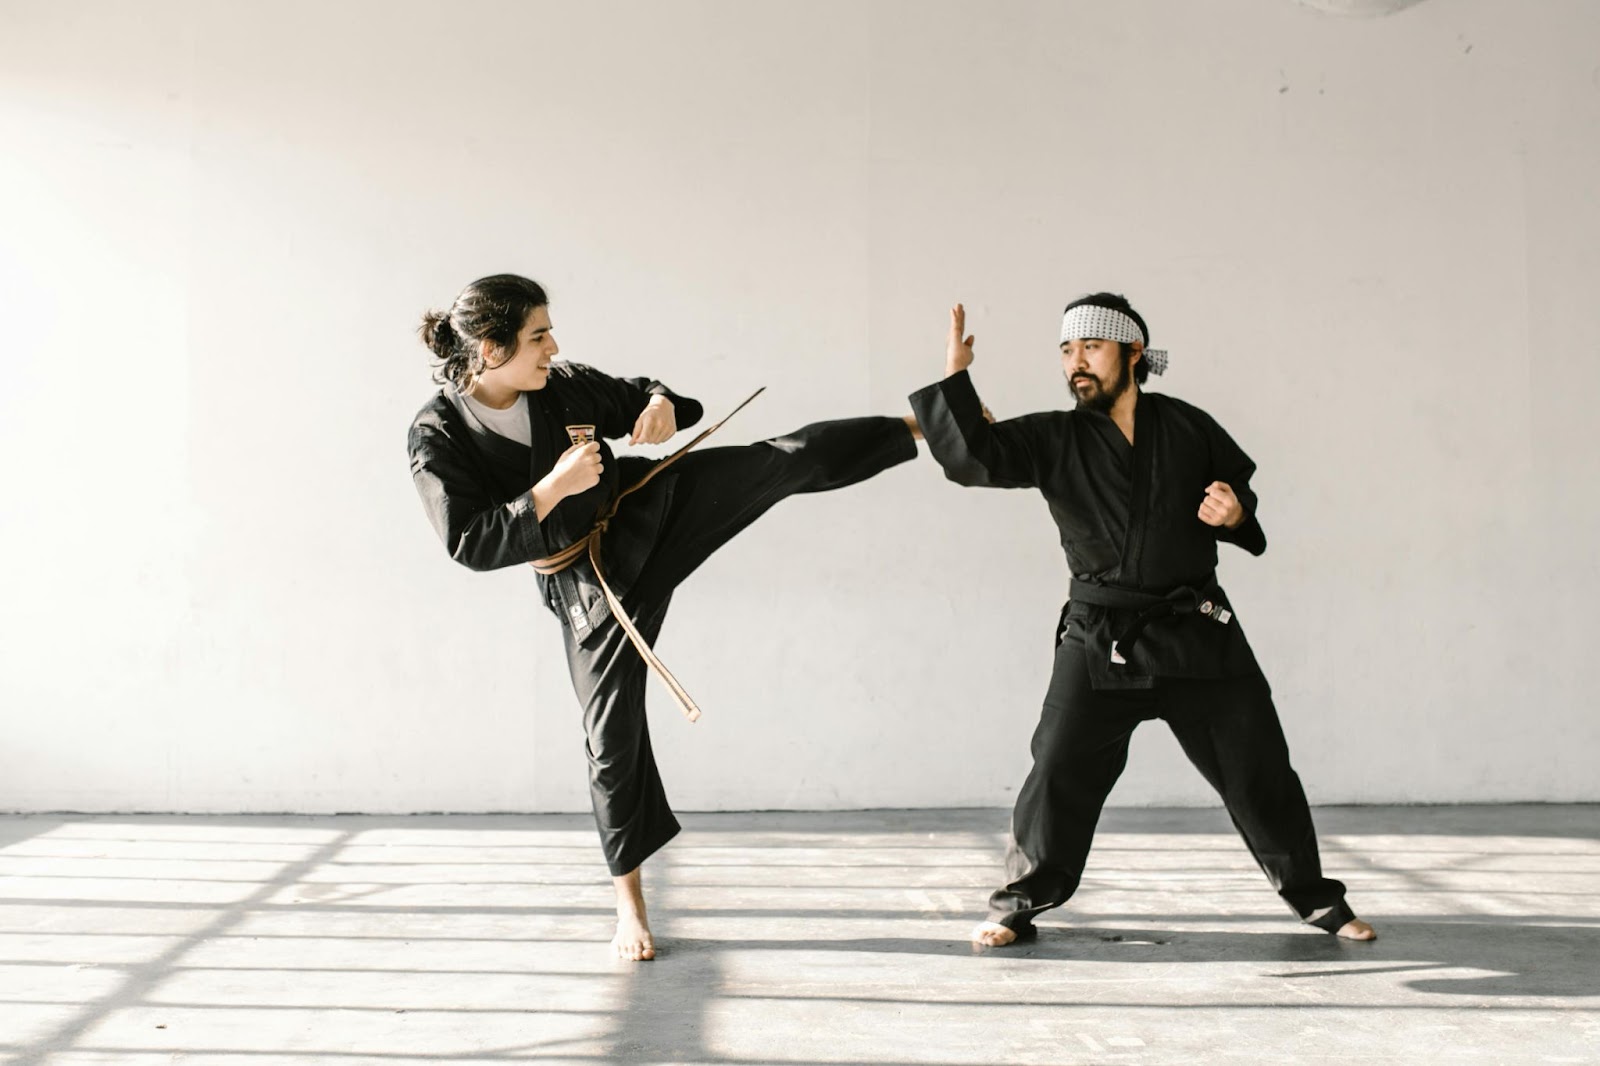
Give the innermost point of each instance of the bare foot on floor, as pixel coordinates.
(633, 942)
(1356, 929)
(992, 935)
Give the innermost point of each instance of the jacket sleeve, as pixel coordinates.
(1231, 466)
(972, 450)
(477, 532)
(621, 400)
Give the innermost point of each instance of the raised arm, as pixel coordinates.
(642, 409)
(973, 449)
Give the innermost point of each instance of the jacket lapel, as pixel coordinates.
(493, 444)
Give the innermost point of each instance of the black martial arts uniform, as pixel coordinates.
(476, 487)
(1147, 633)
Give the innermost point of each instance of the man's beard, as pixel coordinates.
(1098, 397)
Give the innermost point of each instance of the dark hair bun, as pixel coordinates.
(438, 334)
(489, 313)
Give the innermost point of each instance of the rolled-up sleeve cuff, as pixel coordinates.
(959, 397)
(1249, 536)
(526, 512)
(685, 412)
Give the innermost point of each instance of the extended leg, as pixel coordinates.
(1230, 731)
(718, 492)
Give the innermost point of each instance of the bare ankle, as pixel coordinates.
(630, 895)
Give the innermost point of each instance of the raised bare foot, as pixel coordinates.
(1356, 929)
(633, 942)
(992, 935)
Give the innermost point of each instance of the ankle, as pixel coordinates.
(630, 895)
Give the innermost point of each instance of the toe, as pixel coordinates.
(1356, 929)
(992, 935)
(635, 950)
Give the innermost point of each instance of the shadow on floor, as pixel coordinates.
(1527, 960)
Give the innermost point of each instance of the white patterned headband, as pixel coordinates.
(1086, 322)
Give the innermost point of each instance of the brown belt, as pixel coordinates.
(589, 545)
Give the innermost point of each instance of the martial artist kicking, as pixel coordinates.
(511, 460)
(1142, 487)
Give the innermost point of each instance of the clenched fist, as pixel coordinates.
(656, 423)
(1221, 507)
(578, 470)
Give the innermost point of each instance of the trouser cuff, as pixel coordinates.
(625, 856)
(1330, 919)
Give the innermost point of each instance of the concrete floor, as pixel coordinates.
(788, 938)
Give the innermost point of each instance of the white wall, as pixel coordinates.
(1373, 246)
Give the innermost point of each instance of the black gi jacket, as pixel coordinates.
(1127, 514)
(477, 486)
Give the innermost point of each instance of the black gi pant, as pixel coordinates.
(1230, 731)
(716, 493)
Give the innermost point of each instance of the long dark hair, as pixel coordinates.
(491, 309)
(1118, 302)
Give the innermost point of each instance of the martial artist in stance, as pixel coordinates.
(1142, 487)
(511, 461)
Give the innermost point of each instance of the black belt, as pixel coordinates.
(1185, 599)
